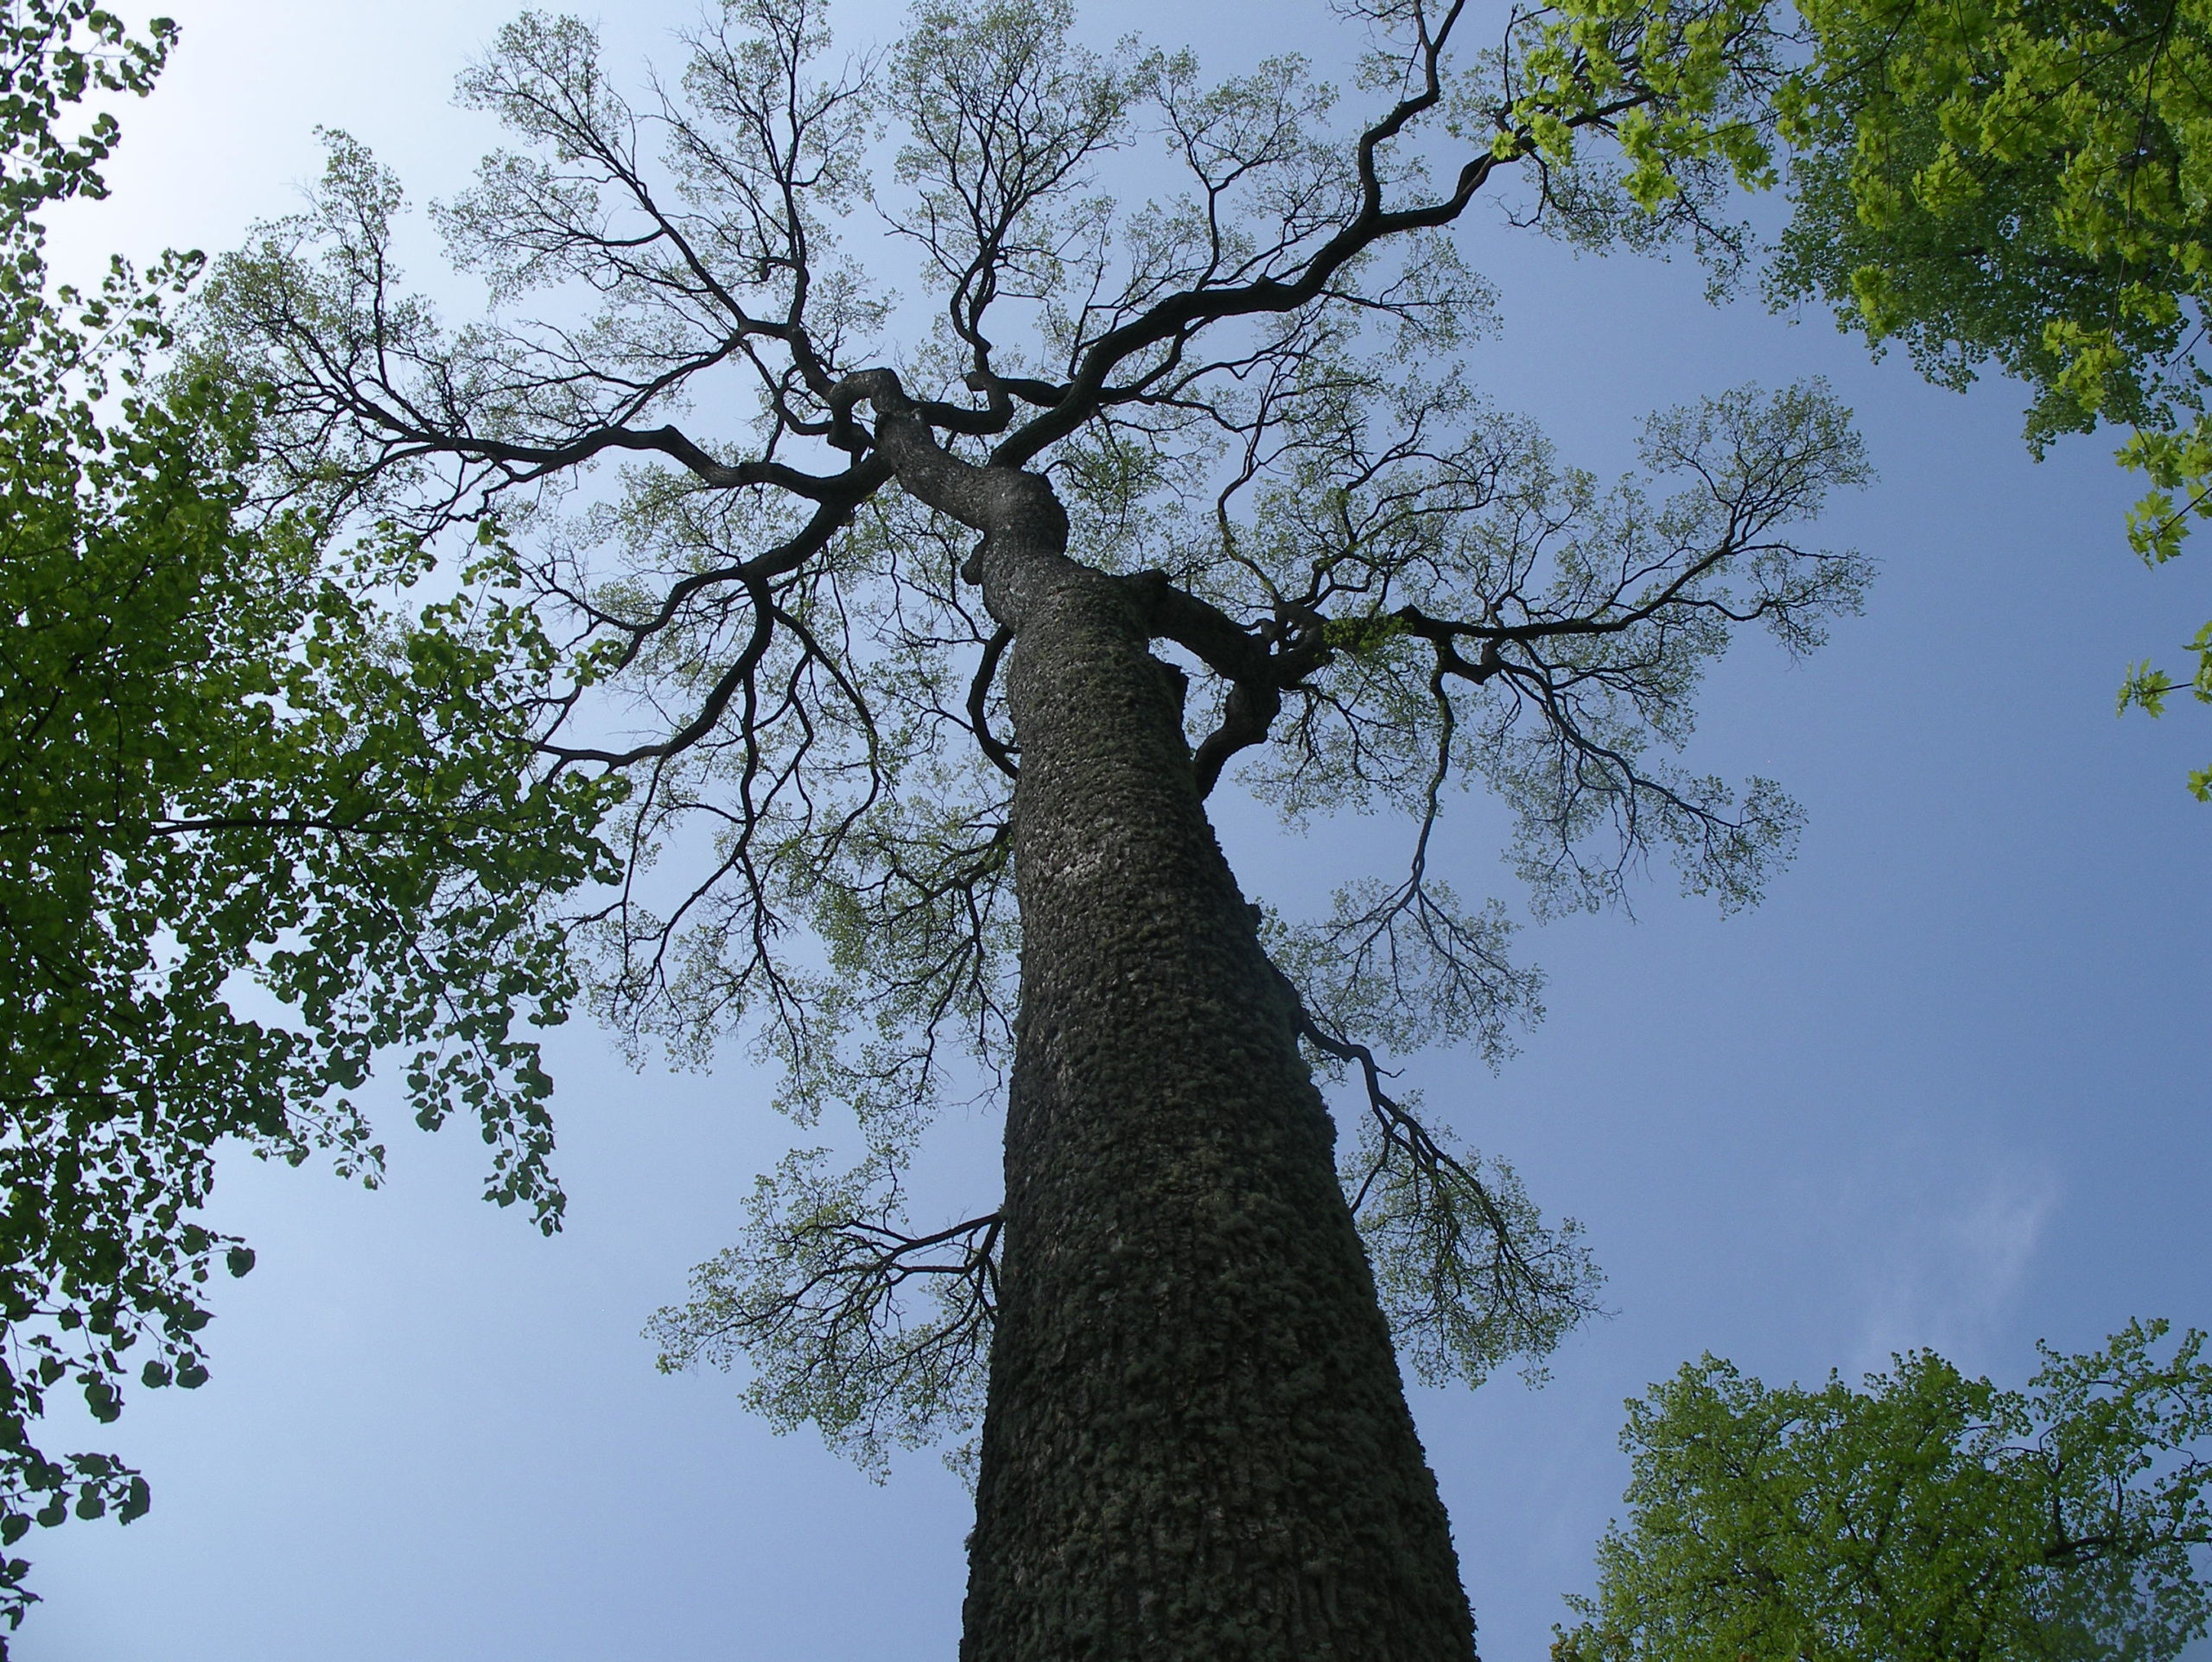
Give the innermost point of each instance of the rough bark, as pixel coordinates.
(1197, 1448)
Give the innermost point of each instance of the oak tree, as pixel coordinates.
(921, 631)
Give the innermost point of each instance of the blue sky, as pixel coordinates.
(1944, 1088)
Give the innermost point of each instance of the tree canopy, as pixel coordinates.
(1923, 1517)
(1393, 585)
(257, 822)
(1189, 368)
(2024, 183)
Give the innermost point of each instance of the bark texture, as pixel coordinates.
(1197, 1447)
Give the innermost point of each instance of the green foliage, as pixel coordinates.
(1685, 91)
(2013, 181)
(2022, 182)
(1926, 1516)
(53, 55)
(260, 820)
(254, 828)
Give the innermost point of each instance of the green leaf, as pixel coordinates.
(2145, 688)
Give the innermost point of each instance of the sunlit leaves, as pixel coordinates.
(261, 819)
(2013, 179)
(1923, 1517)
(1685, 89)
(53, 55)
(2024, 183)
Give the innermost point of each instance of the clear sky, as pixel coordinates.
(1946, 1087)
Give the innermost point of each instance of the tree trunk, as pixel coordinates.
(1197, 1448)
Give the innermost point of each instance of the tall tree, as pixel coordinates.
(256, 821)
(1928, 1517)
(2023, 183)
(923, 657)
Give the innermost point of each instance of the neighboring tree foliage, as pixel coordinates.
(1925, 1518)
(255, 824)
(2026, 182)
(53, 53)
(867, 614)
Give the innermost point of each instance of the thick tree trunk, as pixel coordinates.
(1197, 1448)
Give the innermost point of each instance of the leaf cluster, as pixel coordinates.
(262, 818)
(1926, 1515)
(2023, 183)
(254, 829)
(54, 55)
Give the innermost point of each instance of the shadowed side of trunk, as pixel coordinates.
(1197, 1446)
